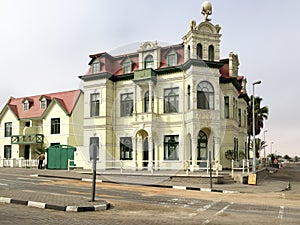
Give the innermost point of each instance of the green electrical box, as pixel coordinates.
(58, 156)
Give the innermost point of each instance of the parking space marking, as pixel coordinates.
(281, 213)
(206, 207)
(217, 213)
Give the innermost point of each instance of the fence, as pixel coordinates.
(18, 163)
(245, 166)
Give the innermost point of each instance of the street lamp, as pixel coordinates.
(253, 125)
(265, 143)
(271, 147)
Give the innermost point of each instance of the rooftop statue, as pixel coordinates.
(206, 10)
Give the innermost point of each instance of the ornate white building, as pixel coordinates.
(166, 107)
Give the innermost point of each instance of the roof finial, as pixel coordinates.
(206, 10)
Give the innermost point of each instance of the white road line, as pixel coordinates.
(281, 213)
(1, 184)
(219, 212)
(206, 207)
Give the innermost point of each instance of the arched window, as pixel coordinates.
(172, 58)
(211, 53)
(202, 146)
(149, 62)
(146, 102)
(205, 96)
(199, 51)
(189, 52)
(189, 96)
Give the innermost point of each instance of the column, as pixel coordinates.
(150, 154)
(150, 97)
(194, 154)
(134, 101)
(134, 153)
(156, 157)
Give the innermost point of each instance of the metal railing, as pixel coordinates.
(18, 163)
(245, 166)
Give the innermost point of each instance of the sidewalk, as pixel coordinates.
(159, 179)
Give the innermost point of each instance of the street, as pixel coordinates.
(149, 205)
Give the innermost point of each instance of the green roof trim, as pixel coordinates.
(202, 63)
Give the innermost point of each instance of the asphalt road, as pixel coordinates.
(146, 205)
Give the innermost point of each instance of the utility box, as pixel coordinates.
(58, 156)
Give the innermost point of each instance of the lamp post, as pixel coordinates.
(271, 147)
(265, 144)
(253, 126)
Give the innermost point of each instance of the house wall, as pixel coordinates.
(9, 117)
(63, 137)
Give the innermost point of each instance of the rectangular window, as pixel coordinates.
(7, 151)
(8, 129)
(171, 147)
(55, 126)
(127, 67)
(96, 67)
(95, 104)
(245, 118)
(171, 96)
(240, 117)
(226, 107)
(126, 104)
(236, 148)
(125, 148)
(94, 148)
(172, 59)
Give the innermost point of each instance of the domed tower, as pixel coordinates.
(203, 40)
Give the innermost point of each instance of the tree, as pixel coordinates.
(259, 145)
(260, 114)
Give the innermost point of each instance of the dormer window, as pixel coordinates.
(172, 58)
(96, 67)
(43, 103)
(149, 62)
(127, 66)
(26, 105)
(44, 100)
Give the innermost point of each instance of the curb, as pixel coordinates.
(146, 185)
(42, 205)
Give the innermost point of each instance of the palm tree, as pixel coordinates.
(259, 144)
(260, 114)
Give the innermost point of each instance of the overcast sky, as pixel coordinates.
(45, 44)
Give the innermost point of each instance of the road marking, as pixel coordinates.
(206, 207)
(219, 212)
(1, 184)
(31, 179)
(281, 213)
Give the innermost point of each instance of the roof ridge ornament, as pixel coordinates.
(206, 10)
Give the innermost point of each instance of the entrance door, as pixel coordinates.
(202, 150)
(145, 153)
(27, 152)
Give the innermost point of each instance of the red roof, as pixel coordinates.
(67, 101)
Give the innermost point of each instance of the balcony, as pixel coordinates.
(144, 75)
(27, 139)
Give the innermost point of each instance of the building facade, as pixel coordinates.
(30, 124)
(166, 107)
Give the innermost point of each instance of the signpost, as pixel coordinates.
(94, 156)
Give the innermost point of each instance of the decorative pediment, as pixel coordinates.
(208, 27)
(148, 46)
